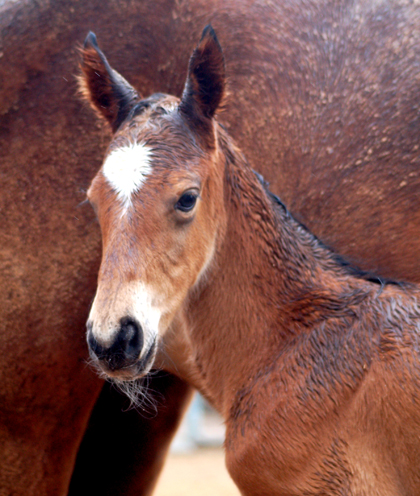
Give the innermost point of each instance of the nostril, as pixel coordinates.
(125, 349)
(94, 346)
(130, 337)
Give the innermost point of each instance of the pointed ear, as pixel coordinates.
(205, 85)
(107, 91)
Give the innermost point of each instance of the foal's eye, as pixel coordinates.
(187, 201)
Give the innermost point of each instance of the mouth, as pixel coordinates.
(146, 362)
(130, 372)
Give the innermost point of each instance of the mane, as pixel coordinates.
(236, 159)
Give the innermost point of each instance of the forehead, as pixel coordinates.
(156, 128)
(155, 146)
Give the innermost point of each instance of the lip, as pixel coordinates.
(135, 371)
(144, 364)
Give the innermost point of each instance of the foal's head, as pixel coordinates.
(159, 201)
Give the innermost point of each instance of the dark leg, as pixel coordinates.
(123, 451)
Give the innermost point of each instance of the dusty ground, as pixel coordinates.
(199, 473)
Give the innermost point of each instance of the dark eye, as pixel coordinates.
(187, 202)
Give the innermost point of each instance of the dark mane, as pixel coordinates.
(345, 264)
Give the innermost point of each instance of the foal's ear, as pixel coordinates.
(106, 90)
(205, 85)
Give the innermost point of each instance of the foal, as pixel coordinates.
(313, 365)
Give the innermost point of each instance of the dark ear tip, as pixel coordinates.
(209, 32)
(90, 40)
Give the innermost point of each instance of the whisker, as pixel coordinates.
(82, 203)
(142, 398)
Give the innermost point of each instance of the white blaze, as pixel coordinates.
(126, 170)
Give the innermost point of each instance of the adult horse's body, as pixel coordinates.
(336, 89)
(314, 366)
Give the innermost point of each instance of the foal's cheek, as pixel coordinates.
(202, 245)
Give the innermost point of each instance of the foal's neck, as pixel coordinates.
(274, 247)
(270, 281)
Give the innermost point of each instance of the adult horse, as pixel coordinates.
(327, 93)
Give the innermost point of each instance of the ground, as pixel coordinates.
(201, 472)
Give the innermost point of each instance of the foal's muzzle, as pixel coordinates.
(125, 350)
